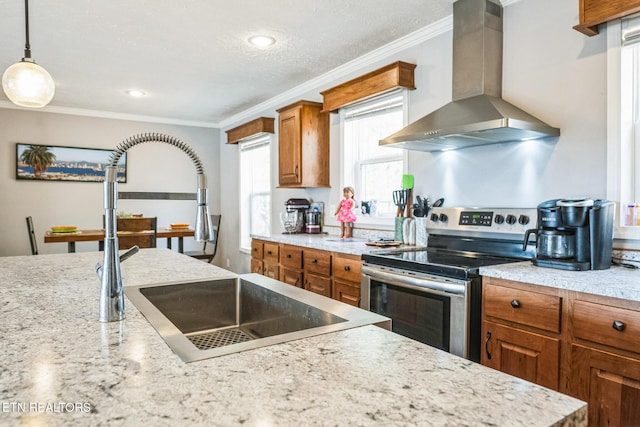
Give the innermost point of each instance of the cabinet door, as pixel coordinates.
(291, 277)
(348, 293)
(257, 266)
(520, 353)
(257, 249)
(271, 270)
(609, 383)
(318, 284)
(290, 148)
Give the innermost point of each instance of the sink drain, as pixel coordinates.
(209, 340)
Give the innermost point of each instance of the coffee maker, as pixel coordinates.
(573, 234)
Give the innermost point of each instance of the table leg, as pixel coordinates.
(101, 245)
(169, 242)
(181, 244)
(71, 247)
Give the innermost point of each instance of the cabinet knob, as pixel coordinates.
(347, 268)
(618, 325)
(314, 261)
(515, 303)
(268, 252)
(288, 255)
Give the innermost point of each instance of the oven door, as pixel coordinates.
(430, 309)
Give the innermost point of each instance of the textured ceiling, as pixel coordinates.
(192, 56)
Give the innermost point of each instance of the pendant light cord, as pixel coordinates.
(27, 47)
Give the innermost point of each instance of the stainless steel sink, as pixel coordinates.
(210, 318)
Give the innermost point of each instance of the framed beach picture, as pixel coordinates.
(58, 163)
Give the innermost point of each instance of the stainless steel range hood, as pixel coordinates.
(477, 115)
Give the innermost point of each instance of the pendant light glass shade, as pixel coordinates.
(28, 85)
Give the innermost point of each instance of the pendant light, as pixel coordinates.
(26, 83)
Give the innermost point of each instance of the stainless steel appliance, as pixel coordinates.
(433, 293)
(477, 114)
(293, 218)
(313, 222)
(573, 234)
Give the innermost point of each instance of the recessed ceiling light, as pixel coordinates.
(262, 41)
(136, 93)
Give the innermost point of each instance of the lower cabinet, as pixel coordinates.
(579, 344)
(527, 355)
(331, 274)
(609, 383)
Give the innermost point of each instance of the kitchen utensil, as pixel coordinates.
(407, 181)
(399, 199)
(438, 202)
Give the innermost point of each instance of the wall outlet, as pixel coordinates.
(228, 262)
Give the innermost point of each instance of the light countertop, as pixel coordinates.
(56, 356)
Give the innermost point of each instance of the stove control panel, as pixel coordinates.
(481, 220)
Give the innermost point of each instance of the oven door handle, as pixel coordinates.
(417, 283)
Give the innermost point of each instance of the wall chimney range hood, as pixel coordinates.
(477, 115)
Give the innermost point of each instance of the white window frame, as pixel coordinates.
(242, 209)
(618, 139)
(346, 179)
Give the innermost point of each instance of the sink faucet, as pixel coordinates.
(111, 306)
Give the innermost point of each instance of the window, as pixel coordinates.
(372, 170)
(623, 124)
(255, 189)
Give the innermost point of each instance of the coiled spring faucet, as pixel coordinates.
(111, 294)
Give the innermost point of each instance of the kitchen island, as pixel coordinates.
(61, 366)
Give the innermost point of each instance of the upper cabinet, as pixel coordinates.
(596, 12)
(303, 136)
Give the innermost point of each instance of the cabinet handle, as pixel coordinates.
(314, 261)
(347, 268)
(288, 255)
(618, 325)
(296, 171)
(268, 252)
(486, 345)
(515, 303)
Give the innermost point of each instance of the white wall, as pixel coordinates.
(550, 71)
(151, 167)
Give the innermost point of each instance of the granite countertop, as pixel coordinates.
(326, 242)
(617, 282)
(61, 366)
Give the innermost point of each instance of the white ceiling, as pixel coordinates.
(192, 56)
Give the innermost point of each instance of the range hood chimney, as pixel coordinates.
(477, 115)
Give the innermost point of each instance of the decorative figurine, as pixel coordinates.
(345, 212)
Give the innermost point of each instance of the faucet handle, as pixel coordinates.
(132, 251)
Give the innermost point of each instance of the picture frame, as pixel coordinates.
(38, 162)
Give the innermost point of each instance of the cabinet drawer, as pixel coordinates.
(256, 249)
(347, 269)
(291, 277)
(291, 256)
(604, 324)
(346, 293)
(525, 307)
(257, 266)
(271, 251)
(317, 262)
(318, 284)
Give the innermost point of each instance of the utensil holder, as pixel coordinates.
(398, 229)
(422, 237)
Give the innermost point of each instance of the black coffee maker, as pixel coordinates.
(573, 234)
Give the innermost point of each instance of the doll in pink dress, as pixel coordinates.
(345, 212)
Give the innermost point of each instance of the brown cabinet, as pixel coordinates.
(595, 12)
(291, 265)
(317, 270)
(265, 258)
(332, 274)
(521, 333)
(303, 136)
(346, 274)
(527, 355)
(580, 344)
